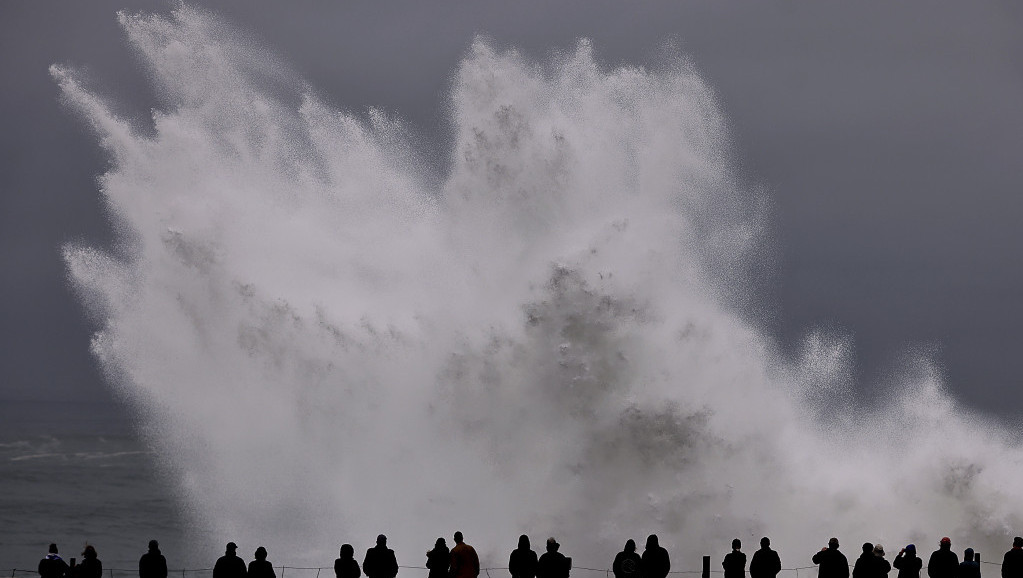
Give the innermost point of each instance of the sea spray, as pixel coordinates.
(328, 339)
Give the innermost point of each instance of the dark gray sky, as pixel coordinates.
(890, 135)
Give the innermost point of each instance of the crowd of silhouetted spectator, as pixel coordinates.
(461, 561)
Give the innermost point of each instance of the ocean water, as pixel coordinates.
(324, 336)
(79, 475)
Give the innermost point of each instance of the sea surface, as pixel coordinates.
(76, 474)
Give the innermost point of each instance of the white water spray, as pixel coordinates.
(325, 346)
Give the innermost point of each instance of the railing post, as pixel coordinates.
(706, 567)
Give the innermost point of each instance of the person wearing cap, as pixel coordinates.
(380, 561)
(345, 565)
(1012, 562)
(765, 563)
(969, 568)
(883, 567)
(943, 563)
(908, 563)
(553, 564)
(656, 563)
(52, 565)
(260, 568)
(831, 562)
(465, 563)
(229, 565)
(152, 564)
(735, 561)
(866, 564)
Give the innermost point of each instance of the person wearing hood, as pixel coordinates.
(866, 564)
(943, 562)
(656, 563)
(1012, 562)
(831, 562)
(883, 567)
(345, 565)
(908, 563)
(765, 563)
(627, 563)
(969, 568)
(152, 564)
(52, 565)
(522, 561)
(553, 564)
(260, 568)
(735, 561)
(90, 567)
(437, 560)
(380, 561)
(229, 565)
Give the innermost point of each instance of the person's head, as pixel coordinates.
(552, 544)
(968, 555)
(89, 551)
(346, 552)
(458, 538)
(1017, 542)
(868, 548)
(879, 550)
(833, 543)
(441, 543)
(945, 543)
(736, 544)
(765, 542)
(154, 545)
(260, 553)
(231, 548)
(630, 545)
(911, 549)
(651, 541)
(381, 540)
(52, 549)
(524, 542)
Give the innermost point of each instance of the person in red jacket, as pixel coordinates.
(464, 561)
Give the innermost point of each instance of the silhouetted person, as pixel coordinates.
(883, 567)
(522, 562)
(437, 559)
(380, 561)
(735, 561)
(765, 563)
(655, 559)
(229, 565)
(152, 564)
(830, 562)
(908, 563)
(1012, 562)
(943, 562)
(53, 566)
(553, 564)
(969, 568)
(464, 561)
(866, 564)
(345, 566)
(90, 566)
(260, 568)
(627, 563)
